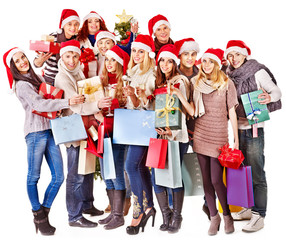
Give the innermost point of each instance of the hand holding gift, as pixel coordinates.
(230, 158)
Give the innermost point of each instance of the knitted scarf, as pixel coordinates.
(244, 80)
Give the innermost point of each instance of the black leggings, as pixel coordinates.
(212, 173)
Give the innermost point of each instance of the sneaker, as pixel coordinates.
(244, 214)
(256, 223)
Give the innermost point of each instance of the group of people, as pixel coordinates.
(209, 89)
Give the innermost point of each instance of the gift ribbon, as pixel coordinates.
(160, 113)
(255, 111)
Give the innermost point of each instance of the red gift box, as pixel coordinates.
(49, 92)
(230, 158)
(45, 46)
(157, 153)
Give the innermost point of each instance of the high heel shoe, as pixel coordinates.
(215, 223)
(133, 230)
(152, 213)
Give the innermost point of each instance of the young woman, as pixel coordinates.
(116, 61)
(69, 25)
(167, 73)
(160, 27)
(92, 23)
(215, 100)
(38, 135)
(249, 75)
(77, 186)
(142, 76)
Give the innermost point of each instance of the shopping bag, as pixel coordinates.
(100, 138)
(133, 127)
(191, 175)
(68, 129)
(86, 161)
(239, 187)
(91, 146)
(171, 176)
(108, 160)
(157, 153)
(232, 208)
(230, 158)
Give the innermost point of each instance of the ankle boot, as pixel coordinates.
(215, 223)
(228, 224)
(110, 195)
(117, 207)
(41, 222)
(176, 220)
(47, 211)
(163, 202)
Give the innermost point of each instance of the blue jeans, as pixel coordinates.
(158, 189)
(41, 144)
(140, 179)
(119, 182)
(253, 151)
(78, 187)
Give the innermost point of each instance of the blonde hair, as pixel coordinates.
(218, 77)
(119, 86)
(146, 64)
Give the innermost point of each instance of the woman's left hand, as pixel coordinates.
(265, 96)
(134, 27)
(167, 131)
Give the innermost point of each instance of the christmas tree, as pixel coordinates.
(122, 29)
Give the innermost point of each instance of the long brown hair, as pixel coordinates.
(161, 77)
(83, 32)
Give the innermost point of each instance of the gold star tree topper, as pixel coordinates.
(124, 17)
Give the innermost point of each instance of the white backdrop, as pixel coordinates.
(261, 24)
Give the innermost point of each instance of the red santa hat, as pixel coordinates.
(187, 44)
(67, 16)
(156, 22)
(120, 56)
(214, 54)
(146, 43)
(237, 46)
(169, 51)
(7, 57)
(93, 14)
(71, 45)
(105, 34)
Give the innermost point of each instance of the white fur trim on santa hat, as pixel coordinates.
(68, 19)
(92, 15)
(141, 45)
(240, 50)
(190, 46)
(69, 49)
(169, 55)
(212, 56)
(115, 56)
(105, 34)
(11, 54)
(159, 23)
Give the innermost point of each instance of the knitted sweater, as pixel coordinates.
(31, 100)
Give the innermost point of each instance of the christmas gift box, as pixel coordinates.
(168, 110)
(230, 158)
(157, 153)
(91, 88)
(68, 129)
(108, 160)
(255, 112)
(239, 187)
(133, 127)
(86, 161)
(45, 46)
(191, 175)
(171, 175)
(49, 92)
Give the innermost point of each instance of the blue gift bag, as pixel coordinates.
(68, 129)
(133, 127)
(171, 176)
(108, 160)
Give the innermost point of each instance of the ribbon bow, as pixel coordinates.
(253, 115)
(231, 158)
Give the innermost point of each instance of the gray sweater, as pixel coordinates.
(31, 100)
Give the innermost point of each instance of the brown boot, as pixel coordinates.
(228, 224)
(110, 195)
(127, 205)
(163, 202)
(176, 220)
(117, 210)
(215, 223)
(41, 222)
